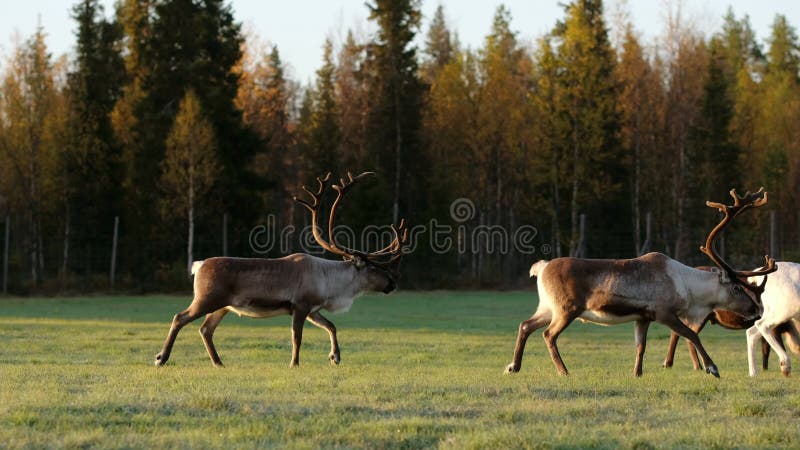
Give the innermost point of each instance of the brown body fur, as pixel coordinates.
(649, 288)
(299, 285)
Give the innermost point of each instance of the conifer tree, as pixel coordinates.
(586, 97)
(440, 47)
(90, 164)
(393, 136)
(324, 136)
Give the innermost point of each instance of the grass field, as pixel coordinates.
(418, 370)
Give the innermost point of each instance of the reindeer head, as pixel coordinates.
(745, 297)
(381, 267)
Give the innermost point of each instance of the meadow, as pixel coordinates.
(419, 370)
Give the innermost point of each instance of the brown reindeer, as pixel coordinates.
(300, 285)
(652, 287)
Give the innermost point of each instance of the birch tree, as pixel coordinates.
(190, 167)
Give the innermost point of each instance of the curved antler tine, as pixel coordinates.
(761, 201)
(322, 182)
(304, 203)
(716, 205)
(341, 189)
(314, 209)
(311, 193)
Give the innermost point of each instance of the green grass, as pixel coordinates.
(418, 370)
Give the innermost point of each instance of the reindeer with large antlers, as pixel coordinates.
(652, 287)
(300, 285)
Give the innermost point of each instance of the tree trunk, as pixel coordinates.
(556, 209)
(573, 241)
(5, 254)
(637, 232)
(113, 272)
(225, 234)
(190, 243)
(65, 252)
(398, 153)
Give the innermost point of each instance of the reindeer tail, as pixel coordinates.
(196, 266)
(537, 268)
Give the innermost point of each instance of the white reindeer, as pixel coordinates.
(781, 300)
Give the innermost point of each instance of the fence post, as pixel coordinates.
(773, 234)
(113, 273)
(5, 255)
(225, 234)
(648, 242)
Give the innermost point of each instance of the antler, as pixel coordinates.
(314, 207)
(341, 189)
(740, 204)
(394, 249)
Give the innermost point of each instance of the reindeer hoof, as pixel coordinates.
(335, 359)
(786, 370)
(713, 371)
(667, 365)
(511, 368)
(293, 365)
(158, 362)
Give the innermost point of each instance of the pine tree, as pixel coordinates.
(135, 19)
(586, 97)
(394, 121)
(639, 95)
(440, 47)
(90, 164)
(324, 133)
(352, 97)
(190, 45)
(777, 124)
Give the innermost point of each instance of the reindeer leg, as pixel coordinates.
(640, 338)
(764, 354)
(692, 350)
(753, 337)
(558, 324)
(526, 327)
(207, 333)
(673, 343)
(317, 319)
(767, 333)
(179, 321)
(672, 321)
(298, 319)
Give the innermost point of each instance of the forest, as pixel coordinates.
(170, 134)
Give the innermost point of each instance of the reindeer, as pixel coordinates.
(732, 321)
(300, 285)
(652, 287)
(781, 302)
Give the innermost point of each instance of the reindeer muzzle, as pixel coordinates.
(391, 286)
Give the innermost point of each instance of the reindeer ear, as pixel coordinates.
(360, 263)
(723, 276)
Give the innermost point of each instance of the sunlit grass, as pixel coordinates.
(418, 370)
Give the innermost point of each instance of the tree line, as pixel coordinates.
(170, 117)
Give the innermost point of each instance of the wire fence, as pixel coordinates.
(461, 255)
